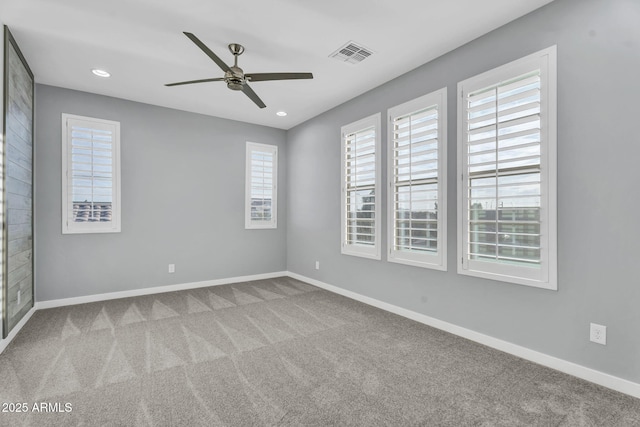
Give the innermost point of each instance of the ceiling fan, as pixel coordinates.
(234, 77)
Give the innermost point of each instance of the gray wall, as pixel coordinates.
(598, 64)
(182, 201)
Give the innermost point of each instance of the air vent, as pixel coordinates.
(351, 53)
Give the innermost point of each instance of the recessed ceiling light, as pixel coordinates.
(281, 113)
(101, 73)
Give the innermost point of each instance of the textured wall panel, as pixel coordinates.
(18, 187)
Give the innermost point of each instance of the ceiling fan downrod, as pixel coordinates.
(235, 76)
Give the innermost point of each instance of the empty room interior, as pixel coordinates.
(320, 213)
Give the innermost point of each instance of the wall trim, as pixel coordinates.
(12, 334)
(154, 290)
(588, 374)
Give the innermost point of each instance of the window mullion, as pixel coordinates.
(93, 197)
(410, 234)
(497, 175)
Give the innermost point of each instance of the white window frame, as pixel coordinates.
(437, 260)
(249, 222)
(70, 227)
(546, 275)
(365, 251)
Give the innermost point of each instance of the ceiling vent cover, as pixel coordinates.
(352, 53)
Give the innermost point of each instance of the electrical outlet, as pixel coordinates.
(172, 268)
(317, 265)
(598, 334)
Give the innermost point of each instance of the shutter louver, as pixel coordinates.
(360, 175)
(504, 175)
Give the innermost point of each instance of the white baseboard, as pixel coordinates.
(5, 342)
(125, 294)
(592, 375)
(155, 290)
(597, 377)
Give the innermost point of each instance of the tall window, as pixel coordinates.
(417, 181)
(261, 192)
(507, 157)
(90, 175)
(361, 188)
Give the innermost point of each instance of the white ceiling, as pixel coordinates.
(141, 43)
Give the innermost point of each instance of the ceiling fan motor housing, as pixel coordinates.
(235, 78)
(235, 85)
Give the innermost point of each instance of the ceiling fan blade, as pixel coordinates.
(252, 95)
(261, 77)
(208, 51)
(217, 79)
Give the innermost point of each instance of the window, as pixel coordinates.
(361, 188)
(261, 192)
(417, 182)
(507, 160)
(90, 175)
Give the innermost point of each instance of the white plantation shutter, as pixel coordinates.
(361, 188)
(417, 173)
(91, 181)
(261, 177)
(503, 162)
(361, 181)
(508, 158)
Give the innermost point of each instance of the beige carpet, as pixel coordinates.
(277, 352)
